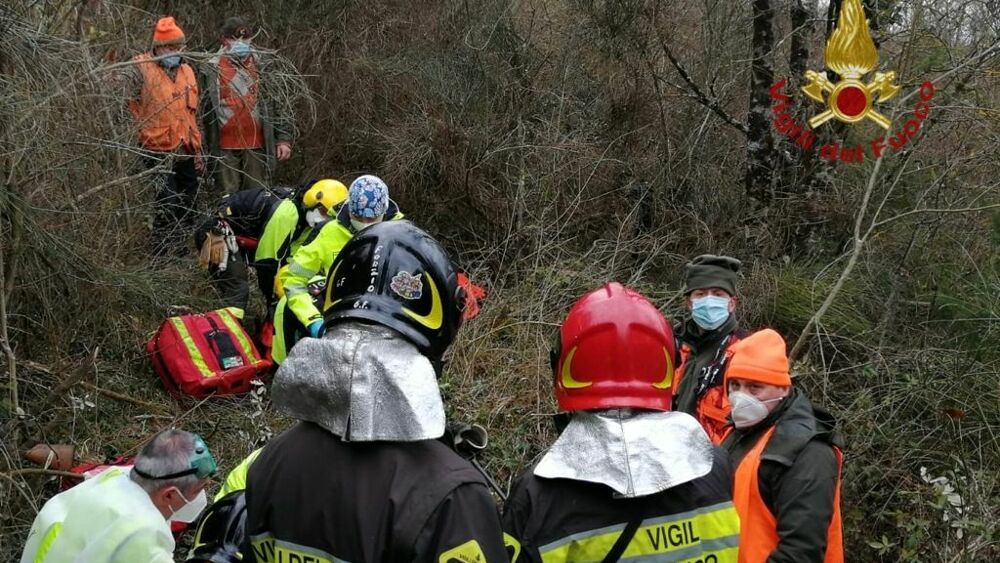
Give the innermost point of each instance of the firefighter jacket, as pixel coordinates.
(565, 520)
(316, 257)
(698, 380)
(106, 518)
(313, 497)
(165, 110)
(787, 487)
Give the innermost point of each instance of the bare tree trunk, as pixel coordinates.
(760, 143)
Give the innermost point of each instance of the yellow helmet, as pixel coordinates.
(327, 192)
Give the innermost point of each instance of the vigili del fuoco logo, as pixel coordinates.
(850, 52)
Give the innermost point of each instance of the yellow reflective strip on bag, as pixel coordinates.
(46, 544)
(710, 534)
(192, 348)
(237, 330)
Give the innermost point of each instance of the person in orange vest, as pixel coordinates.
(710, 295)
(164, 102)
(244, 131)
(788, 460)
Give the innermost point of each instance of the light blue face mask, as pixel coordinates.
(710, 312)
(239, 49)
(171, 61)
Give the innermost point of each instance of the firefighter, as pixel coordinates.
(710, 296)
(262, 227)
(362, 476)
(627, 478)
(788, 460)
(297, 315)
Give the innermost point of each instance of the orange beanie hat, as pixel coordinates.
(167, 32)
(760, 357)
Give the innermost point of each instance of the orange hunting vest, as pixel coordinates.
(713, 407)
(166, 109)
(758, 528)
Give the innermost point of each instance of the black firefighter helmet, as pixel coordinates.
(396, 275)
(221, 531)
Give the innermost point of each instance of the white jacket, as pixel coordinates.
(105, 519)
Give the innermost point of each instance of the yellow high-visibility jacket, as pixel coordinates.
(316, 257)
(106, 518)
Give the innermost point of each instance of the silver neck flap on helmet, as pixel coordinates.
(636, 453)
(362, 382)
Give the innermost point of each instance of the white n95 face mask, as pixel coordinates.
(190, 511)
(747, 409)
(315, 216)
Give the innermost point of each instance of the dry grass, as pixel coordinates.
(553, 147)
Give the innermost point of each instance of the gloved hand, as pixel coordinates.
(316, 328)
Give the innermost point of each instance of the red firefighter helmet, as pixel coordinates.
(615, 349)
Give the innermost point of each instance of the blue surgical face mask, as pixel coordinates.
(170, 61)
(710, 312)
(239, 49)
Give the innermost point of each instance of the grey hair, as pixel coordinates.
(168, 452)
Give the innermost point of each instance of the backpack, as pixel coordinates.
(203, 354)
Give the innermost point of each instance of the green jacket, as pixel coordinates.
(316, 257)
(277, 124)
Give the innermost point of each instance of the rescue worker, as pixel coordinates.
(297, 315)
(121, 515)
(362, 477)
(787, 453)
(263, 228)
(244, 132)
(221, 531)
(163, 99)
(710, 296)
(627, 478)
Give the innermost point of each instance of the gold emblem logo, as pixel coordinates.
(851, 53)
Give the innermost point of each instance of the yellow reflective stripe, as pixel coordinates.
(708, 534)
(267, 549)
(192, 349)
(46, 544)
(235, 311)
(234, 327)
(299, 270)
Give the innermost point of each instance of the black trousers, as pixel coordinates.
(232, 283)
(175, 195)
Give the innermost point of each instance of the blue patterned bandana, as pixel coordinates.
(368, 197)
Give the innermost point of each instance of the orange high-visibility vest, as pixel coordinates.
(758, 527)
(166, 109)
(713, 406)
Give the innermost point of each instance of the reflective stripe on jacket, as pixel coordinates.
(106, 518)
(759, 536)
(166, 109)
(316, 257)
(564, 520)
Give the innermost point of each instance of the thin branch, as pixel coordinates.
(859, 243)
(698, 94)
(120, 397)
(918, 211)
(158, 169)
